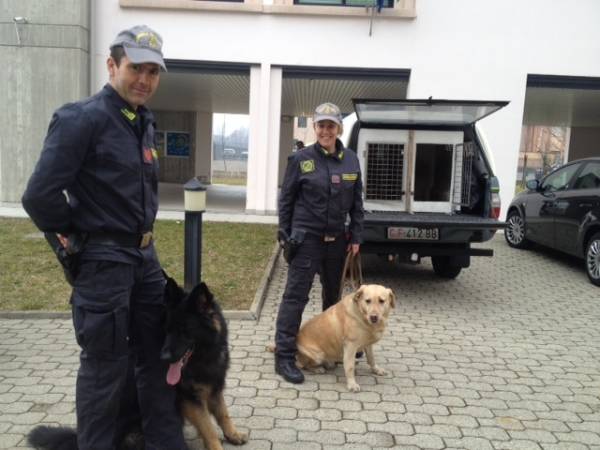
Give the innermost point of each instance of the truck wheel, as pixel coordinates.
(443, 268)
(515, 231)
(592, 259)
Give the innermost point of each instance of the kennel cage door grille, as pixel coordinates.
(463, 167)
(385, 167)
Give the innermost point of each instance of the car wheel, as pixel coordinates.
(592, 259)
(443, 268)
(515, 231)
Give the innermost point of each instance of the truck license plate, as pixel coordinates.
(422, 234)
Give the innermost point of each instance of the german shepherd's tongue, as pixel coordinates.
(174, 373)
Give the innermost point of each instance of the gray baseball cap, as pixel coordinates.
(141, 44)
(328, 111)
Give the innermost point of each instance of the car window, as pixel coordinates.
(589, 178)
(559, 180)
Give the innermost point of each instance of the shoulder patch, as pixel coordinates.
(307, 166)
(349, 176)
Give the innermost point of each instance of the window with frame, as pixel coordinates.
(359, 3)
(559, 180)
(589, 178)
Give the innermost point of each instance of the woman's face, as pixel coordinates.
(327, 132)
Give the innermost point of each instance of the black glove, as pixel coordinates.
(68, 256)
(290, 244)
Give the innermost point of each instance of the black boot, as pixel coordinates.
(288, 370)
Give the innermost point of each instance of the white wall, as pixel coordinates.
(462, 49)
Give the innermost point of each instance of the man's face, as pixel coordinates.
(135, 83)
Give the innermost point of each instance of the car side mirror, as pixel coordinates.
(533, 185)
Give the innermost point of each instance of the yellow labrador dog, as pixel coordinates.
(353, 324)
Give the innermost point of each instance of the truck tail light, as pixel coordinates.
(496, 203)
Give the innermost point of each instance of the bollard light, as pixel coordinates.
(194, 200)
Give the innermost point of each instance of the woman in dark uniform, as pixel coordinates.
(321, 217)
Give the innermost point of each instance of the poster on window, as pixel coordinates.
(178, 144)
(159, 139)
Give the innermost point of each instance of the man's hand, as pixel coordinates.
(62, 239)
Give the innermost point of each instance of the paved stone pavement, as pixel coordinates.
(507, 356)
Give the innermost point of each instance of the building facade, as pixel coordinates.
(277, 59)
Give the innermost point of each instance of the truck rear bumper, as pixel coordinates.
(424, 249)
(455, 234)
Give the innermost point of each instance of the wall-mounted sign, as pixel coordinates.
(178, 144)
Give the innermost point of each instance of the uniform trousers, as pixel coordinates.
(118, 313)
(313, 256)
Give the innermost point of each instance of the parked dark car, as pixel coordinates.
(561, 211)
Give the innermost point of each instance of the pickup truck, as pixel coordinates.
(429, 189)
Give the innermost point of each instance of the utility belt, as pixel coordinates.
(121, 239)
(324, 237)
(69, 255)
(291, 243)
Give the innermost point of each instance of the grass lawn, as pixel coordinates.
(231, 181)
(234, 258)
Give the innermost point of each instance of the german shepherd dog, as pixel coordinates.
(197, 349)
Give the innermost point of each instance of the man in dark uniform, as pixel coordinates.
(95, 186)
(321, 218)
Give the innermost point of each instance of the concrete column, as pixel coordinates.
(584, 142)
(203, 145)
(263, 140)
(286, 143)
(45, 65)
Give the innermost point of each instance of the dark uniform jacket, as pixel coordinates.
(101, 153)
(320, 191)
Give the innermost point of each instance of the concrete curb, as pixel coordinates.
(252, 314)
(35, 315)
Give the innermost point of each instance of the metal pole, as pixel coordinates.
(193, 250)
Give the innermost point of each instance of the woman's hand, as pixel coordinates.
(354, 248)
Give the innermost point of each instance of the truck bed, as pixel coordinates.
(424, 220)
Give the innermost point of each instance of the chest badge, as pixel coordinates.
(349, 176)
(307, 166)
(335, 179)
(148, 156)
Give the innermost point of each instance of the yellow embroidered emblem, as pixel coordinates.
(129, 114)
(307, 166)
(149, 39)
(349, 176)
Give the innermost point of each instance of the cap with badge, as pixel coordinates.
(328, 111)
(141, 45)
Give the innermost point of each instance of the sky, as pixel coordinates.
(232, 122)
